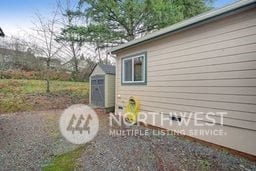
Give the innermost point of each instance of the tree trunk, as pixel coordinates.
(48, 76)
(75, 62)
(47, 85)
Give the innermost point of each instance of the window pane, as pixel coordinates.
(93, 82)
(100, 81)
(128, 70)
(138, 69)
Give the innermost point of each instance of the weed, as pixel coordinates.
(204, 165)
(66, 161)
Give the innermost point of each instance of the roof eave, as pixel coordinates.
(187, 23)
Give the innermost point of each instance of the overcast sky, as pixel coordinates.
(16, 15)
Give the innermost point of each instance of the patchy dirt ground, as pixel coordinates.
(29, 140)
(41, 102)
(29, 95)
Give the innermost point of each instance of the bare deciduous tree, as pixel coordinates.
(46, 34)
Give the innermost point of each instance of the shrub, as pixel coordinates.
(12, 86)
(34, 75)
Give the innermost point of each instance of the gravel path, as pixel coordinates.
(154, 152)
(29, 139)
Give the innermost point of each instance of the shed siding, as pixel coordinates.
(110, 91)
(211, 67)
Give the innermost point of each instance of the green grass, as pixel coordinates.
(66, 161)
(38, 86)
(14, 94)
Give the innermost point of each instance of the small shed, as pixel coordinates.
(102, 86)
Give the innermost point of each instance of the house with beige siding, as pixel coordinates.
(206, 64)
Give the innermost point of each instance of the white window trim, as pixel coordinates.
(143, 65)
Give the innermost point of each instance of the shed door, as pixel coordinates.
(98, 90)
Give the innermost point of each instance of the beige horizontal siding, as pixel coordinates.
(210, 68)
(211, 82)
(237, 58)
(237, 91)
(228, 120)
(249, 74)
(235, 137)
(228, 98)
(185, 105)
(219, 53)
(202, 76)
(242, 58)
(205, 32)
(223, 29)
(233, 109)
(237, 39)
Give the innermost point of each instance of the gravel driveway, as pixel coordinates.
(29, 140)
(154, 152)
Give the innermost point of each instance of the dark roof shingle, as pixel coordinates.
(108, 69)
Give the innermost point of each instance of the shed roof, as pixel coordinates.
(188, 23)
(107, 69)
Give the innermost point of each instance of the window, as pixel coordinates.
(94, 82)
(134, 69)
(100, 81)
